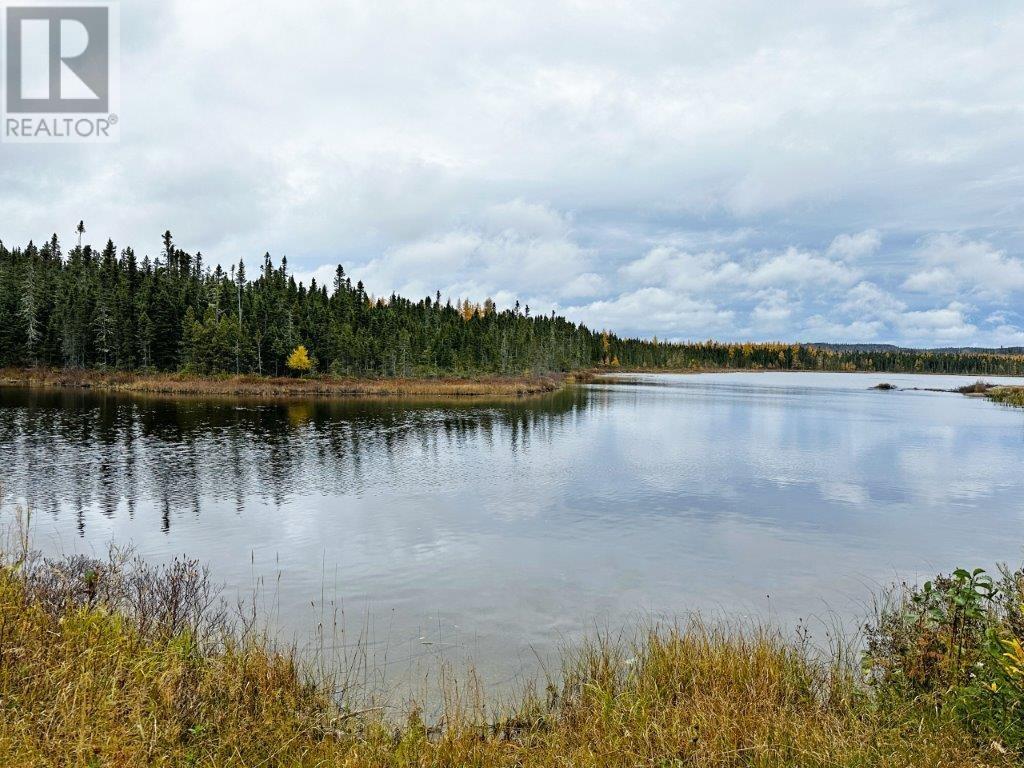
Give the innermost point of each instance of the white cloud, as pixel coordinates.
(524, 219)
(821, 329)
(770, 286)
(970, 265)
(945, 324)
(1008, 336)
(796, 267)
(678, 316)
(1002, 317)
(665, 265)
(584, 286)
(937, 280)
(773, 311)
(867, 300)
(855, 246)
(713, 269)
(521, 249)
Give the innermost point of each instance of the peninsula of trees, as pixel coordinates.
(106, 309)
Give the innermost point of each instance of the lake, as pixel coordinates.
(493, 533)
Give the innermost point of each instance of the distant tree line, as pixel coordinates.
(639, 353)
(107, 309)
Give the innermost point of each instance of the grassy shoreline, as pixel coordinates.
(251, 386)
(117, 663)
(267, 387)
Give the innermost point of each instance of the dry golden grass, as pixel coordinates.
(108, 664)
(266, 386)
(1007, 395)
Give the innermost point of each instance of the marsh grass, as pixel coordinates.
(1008, 396)
(267, 386)
(117, 663)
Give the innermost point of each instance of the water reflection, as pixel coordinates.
(497, 531)
(108, 452)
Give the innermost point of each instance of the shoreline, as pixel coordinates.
(254, 386)
(469, 388)
(117, 662)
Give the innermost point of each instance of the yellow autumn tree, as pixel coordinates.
(299, 360)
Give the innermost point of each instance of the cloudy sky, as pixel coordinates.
(740, 170)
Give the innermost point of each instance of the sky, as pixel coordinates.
(798, 171)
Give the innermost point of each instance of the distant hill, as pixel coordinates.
(895, 348)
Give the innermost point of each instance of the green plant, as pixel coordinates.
(993, 702)
(961, 606)
(958, 643)
(929, 639)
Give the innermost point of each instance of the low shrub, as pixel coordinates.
(956, 644)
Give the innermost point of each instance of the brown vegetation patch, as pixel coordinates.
(265, 386)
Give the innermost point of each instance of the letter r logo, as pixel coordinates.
(58, 59)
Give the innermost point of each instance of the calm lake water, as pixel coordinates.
(494, 533)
